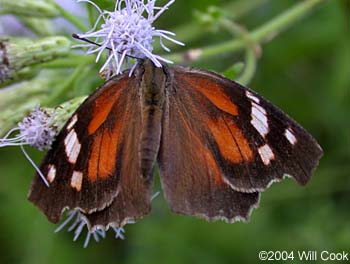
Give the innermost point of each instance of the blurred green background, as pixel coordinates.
(306, 72)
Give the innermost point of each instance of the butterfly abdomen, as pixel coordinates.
(150, 140)
(153, 83)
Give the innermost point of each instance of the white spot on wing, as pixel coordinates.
(77, 180)
(252, 97)
(51, 173)
(72, 146)
(290, 136)
(259, 108)
(72, 122)
(259, 119)
(266, 154)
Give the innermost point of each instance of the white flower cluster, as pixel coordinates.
(128, 32)
(35, 130)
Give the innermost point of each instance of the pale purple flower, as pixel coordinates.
(35, 130)
(78, 222)
(128, 31)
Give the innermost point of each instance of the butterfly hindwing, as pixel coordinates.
(95, 157)
(191, 177)
(254, 142)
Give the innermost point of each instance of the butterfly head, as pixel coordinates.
(153, 79)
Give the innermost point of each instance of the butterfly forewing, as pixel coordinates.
(95, 157)
(134, 192)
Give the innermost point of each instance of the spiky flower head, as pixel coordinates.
(78, 222)
(37, 130)
(128, 31)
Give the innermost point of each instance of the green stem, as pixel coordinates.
(262, 34)
(284, 20)
(249, 68)
(191, 31)
(72, 60)
(251, 50)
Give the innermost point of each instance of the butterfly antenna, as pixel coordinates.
(76, 36)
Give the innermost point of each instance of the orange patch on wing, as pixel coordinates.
(108, 157)
(230, 140)
(242, 142)
(214, 92)
(94, 158)
(103, 106)
(102, 161)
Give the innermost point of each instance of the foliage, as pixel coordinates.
(304, 70)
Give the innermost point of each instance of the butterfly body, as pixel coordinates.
(153, 83)
(218, 145)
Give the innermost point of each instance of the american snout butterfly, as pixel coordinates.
(218, 145)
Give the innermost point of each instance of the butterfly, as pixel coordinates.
(218, 145)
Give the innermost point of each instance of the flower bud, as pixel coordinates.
(17, 53)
